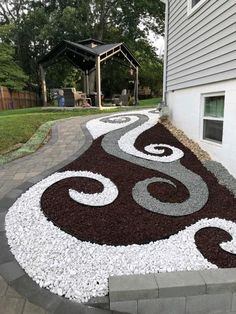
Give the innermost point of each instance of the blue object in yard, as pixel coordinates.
(61, 101)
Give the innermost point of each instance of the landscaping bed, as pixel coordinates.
(137, 201)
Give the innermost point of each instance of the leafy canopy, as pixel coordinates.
(41, 24)
(11, 74)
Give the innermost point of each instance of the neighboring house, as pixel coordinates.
(200, 74)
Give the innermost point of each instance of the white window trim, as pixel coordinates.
(192, 10)
(203, 117)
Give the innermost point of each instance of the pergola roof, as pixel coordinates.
(84, 53)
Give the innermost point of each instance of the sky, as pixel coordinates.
(158, 43)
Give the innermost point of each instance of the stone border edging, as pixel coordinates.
(12, 272)
(174, 284)
(31, 145)
(136, 293)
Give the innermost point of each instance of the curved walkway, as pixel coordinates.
(68, 141)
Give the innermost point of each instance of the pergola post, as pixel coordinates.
(136, 86)
(87, 82)
(43, 84)
(84, 81)
(98, 81)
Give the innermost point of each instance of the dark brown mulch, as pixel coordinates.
(125, 222)
(208, 242)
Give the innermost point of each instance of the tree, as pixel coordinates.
(151, 70)
(11, 74)
(41, 24)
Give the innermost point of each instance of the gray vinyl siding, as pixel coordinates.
(202, 46)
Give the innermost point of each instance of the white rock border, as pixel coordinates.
(98, 128)
(155, 149)
(127, 141)
(107, 196)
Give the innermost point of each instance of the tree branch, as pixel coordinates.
(3, 13)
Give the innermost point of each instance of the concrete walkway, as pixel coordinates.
(66, 141)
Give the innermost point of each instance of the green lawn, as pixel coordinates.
(149, 102)
(18, 125)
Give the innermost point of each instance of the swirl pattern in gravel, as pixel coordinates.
(71, 246)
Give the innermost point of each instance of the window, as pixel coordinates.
(194, 2)
(194, 5)
(213, 118)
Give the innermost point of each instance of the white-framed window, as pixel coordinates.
(213, 117)
(194, 5)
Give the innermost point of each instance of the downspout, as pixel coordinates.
(164, 97)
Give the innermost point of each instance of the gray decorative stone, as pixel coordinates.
(222, 174)
(132, 287)
(116, 119)
(146, 200)
(177, 284)
(197, 188)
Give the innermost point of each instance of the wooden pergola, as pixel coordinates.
(88, 56)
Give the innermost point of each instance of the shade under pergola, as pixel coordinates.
(88, 55)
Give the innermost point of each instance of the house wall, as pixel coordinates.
(201, 46)
(186, 113)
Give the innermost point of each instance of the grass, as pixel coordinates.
(19, 125)
(149, 102)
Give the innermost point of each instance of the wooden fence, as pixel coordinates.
(23, 99)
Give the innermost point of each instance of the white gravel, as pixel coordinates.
(107, 196)
(127, 141)
(98, 128)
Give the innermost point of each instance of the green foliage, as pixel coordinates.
(151, 70)
(151, 102)
(41, 24)
(11, 75)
